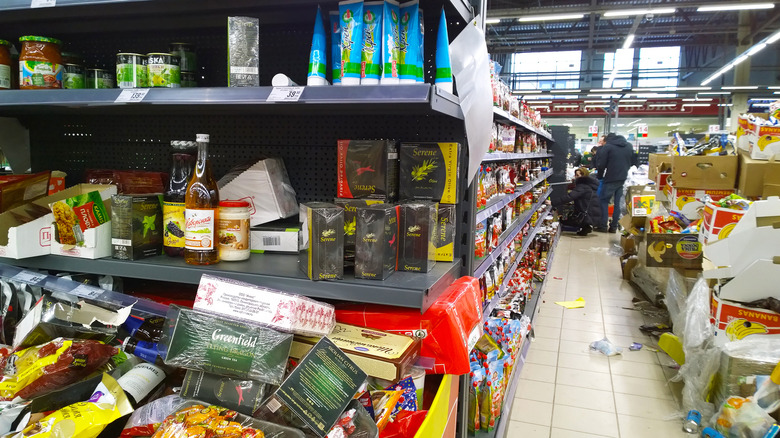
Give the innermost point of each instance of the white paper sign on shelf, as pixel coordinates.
(285, 94)
(714, 129)
(43, 3)
(86, 291)
(132, 95)
(29, 277)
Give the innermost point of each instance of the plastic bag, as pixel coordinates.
(384, 404)
(200, 420)
(405, 425)
(604, 346)
(698, 331)
(147, 418)
(675, 301)
(355, 422)
(742, 418)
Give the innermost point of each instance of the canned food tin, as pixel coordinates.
(163, 70)
(186, 54)
(74, 78)
(188, 80)
(99, 78)
(131, 70)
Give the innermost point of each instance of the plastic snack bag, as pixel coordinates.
(384, 403)
(606, 347)
(146, 419)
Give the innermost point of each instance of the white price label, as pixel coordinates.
(593, 129)
(132, 95)
(43, 3)
(29, 277)
(285, 94)
(86, 291)
(714, 129)
(642, 129)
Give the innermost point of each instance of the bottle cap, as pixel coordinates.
(202, 138)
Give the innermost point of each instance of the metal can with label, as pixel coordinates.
(100, 78)
(188, 80)
(186, 54)
(131, 70)
(163, 70)
(73, 77)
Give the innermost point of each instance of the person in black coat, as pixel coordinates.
(612, 163)
(587, 209)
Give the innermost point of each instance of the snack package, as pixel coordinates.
(355, 422)
(216, 344)
(485, 406)
(37, 370)
(83, 419)
(75, 215)
(408, 401)
(384, 403)
(129, 181)
(147, 418)
(199, 420)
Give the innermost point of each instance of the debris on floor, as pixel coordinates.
(606, 347)
(576, 304)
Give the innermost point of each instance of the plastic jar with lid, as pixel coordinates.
(5, 65)
(40, 63)
(234, 230)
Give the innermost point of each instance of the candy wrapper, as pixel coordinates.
(408, 400)
(354, 423)
(384, 403)
(147, 418)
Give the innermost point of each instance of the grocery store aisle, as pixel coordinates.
(567, 391)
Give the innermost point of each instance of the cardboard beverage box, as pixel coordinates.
(136, 226)
(376, 247)
(688, 202)
(430, 171)
(417, 252)
(444, 237)
(322, 251)
(734, 321)
(367, 169)
(682, 251)
(758, 177)
(16, 190)
(717, 222)
(281, 235)
(350, 207)
(705, 172)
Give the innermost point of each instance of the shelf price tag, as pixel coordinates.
(43, 3)
(29, 277)
(87, 291)
(285, 94)
(131, 95)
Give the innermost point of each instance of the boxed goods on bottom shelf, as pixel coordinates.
(87, 362)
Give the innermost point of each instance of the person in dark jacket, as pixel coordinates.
(586, 201)
(612, 164)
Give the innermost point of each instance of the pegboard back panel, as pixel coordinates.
(306, 144)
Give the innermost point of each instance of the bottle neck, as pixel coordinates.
(203, 152)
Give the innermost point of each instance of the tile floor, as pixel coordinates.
(567, 391)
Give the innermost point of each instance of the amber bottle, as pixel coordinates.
(201, 203)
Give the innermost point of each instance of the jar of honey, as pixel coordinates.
(40, 63)
(5, 65)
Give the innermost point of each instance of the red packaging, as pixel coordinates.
(136, 182)
(447, 329)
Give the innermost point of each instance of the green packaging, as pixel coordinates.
(444, 237)
(351, 207)
(376, 247)
(322, 251)
(417, 252)
(73, 216)
(367, 169)
(217, 344)
(240, 395)
(430, 171)
(136, 226)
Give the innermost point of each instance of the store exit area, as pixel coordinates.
(568, 390)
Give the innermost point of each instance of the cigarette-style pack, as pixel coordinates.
(417, 252)
(376, 246)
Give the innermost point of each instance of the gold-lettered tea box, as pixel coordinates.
(376, 246)
(322, 249)
(429, 171)
(379, 354)
(350, 207)
(367, 169)
(417, 252)
(444, 237)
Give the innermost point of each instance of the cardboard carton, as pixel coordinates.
(640, 200)
(683, 251)
(688, 202)
(717, 222)
(661, 181)
(26, 231)
(658, 163)
(734, 321)
(746, 133)
(16, 190)
(766, 144)
(634, 225)
(705, 172)
(758, 177)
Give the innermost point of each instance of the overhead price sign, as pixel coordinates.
(641, 131)
(593, 131)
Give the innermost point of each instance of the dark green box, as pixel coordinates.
(322, 250)
(136, 226)
(430, 171)
(240, 395)
(417, 252)
(376, 246)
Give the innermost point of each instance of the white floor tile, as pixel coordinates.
(547, 332)
(640, 386)
(575, 347)
(585, 420)
(581, 335)
(535, 390)
(584, 398)
(518, 429)
(636, 427)
(579, 315)
(592, 362)
(644, 356)
(548, 321)
(635, 369)
(583, 325)
(545, 344)
(541, 373)
(645, 407)
(585, 379)
(531, 411)
(564, 433)
(542, 357)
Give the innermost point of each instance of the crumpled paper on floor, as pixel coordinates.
(576, 304)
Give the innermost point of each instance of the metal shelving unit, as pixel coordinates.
(497, 203)
(508, 118)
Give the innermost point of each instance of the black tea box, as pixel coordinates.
(136, 226)
(417, 252)
(350, 207)
(444, 237)
(367, 169)
(376, 247)
(429, 171)
(240, 395)
(322, 248)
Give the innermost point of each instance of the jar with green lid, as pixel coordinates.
(5, 65)
(99, 78)
(131, 70)
(186, 54)
(163, 70)
(74, 77)
(40, 63)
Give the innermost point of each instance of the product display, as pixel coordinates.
(418, 223)
(182, 163)
(40, 63)
(201, 211)
(234, 244)
(136, 226)
(5, 65)
(430, 171)
(351, 207)
(376, 237)
(367, 169)
(131, 70)
(322, 251)
(444, 235)
(351, 24)
(243, 396)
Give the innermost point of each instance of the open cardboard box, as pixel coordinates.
(96, 245)
(718, 222)
(661, 250)
(640, 200)
(758, 177)
(705, 172)
(658, 163)
(26, 231)
(687, 201)
(734, 321)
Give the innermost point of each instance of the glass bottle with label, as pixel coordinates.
(183, 156)
(142, 382)
(201, 213)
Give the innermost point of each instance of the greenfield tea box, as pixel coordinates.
(444, 237)
(367, 169)
(322, 247)
(417, 252)
(350, 207)
(429, 171)
(136, 226)
(240, 395)
(376, 244)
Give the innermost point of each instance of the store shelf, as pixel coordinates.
(278, 271)
(507, 237)
(508, 118)
(508, 275)
(505, 156)
(498, 202)
(398, 99)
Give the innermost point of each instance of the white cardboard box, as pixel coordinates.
(26, 231)
(96, 245)
(266, 187)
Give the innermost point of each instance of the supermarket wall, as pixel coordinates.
(657, 126)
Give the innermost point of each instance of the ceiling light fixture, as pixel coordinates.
(606, 90)
(630, 12)
(698, 99)
(735, 7)
(492, 20)
(597, 101)
(714, 93)
(566, 91)
(745, 55)
(693, 88)
(632, 101)
(520, 92)
(741, 87)
(697, 104)
(551, 17)
(725, 104)
(673, 124)
(629, 40)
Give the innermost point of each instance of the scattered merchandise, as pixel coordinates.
(605, 347)
(576, 304)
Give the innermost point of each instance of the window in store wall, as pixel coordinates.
(623, 61)
(545, 70)
(659, 67)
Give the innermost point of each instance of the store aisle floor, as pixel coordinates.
(567, 391)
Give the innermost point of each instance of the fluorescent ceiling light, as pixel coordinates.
(551, 17)
(755, 49)
(741, 87)
(735, 7)
(713, 93)
(629, 12)
(741, 59)
(673, 124)
(773, 88)
(604, 96)
(725, 104)
(776, 92)
(606, 90)
(761, 105)
(566, 91)
(629, 40)
(492, 20)
(693, 88)
(697, 104)
(774, 37)
(596, 101)
(632, 100)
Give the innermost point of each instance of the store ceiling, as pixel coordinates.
(685, 27)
